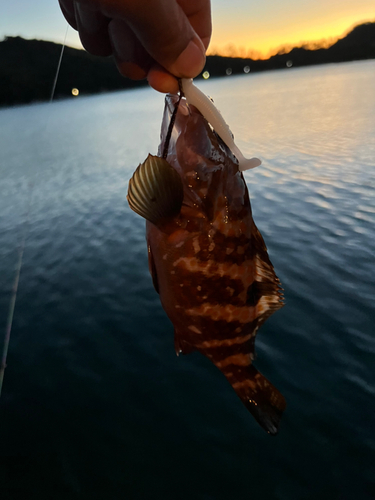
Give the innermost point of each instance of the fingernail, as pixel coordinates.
(191, 61)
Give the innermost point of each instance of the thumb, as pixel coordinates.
(165, 32)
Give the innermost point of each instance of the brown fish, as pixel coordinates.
(208, 260)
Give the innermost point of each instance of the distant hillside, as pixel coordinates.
(28, 67)
(356, 45)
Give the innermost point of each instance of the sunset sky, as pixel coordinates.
(239, 26)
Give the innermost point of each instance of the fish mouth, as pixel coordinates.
(171, 101)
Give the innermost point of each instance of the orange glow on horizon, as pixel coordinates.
(235, 38)
(255, 40)
(264, 44)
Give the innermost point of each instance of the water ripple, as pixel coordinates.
(92, 372)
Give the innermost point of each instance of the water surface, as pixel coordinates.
(95, 402)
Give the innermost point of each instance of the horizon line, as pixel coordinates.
(238, 52)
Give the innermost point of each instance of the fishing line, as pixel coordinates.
(21, 249)
(173, 119)
(58, 65)
(13, 296)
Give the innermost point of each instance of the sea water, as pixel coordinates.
(95, 402)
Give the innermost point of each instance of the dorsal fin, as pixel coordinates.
(265, 293)
(155, 191)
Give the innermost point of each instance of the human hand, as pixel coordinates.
(157, 39)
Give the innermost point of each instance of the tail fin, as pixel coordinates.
(261, 398)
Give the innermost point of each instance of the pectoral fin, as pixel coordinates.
(155, 191)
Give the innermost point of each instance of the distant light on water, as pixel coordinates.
(228, 71)
(246, 69)
(75, 92)
(206, 75)
(289, 64)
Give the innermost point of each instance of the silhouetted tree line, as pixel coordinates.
(358, 44)
(28, 67)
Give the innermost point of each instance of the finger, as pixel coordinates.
(93, 30)
(67, 8)
(198, 13)
(162, 81)
(164, 30)
(131, 58)
(166, 33)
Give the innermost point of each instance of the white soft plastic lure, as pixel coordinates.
(195, 97)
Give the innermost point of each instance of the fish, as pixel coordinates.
(208, 260)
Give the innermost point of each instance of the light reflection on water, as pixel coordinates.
(93, 383)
